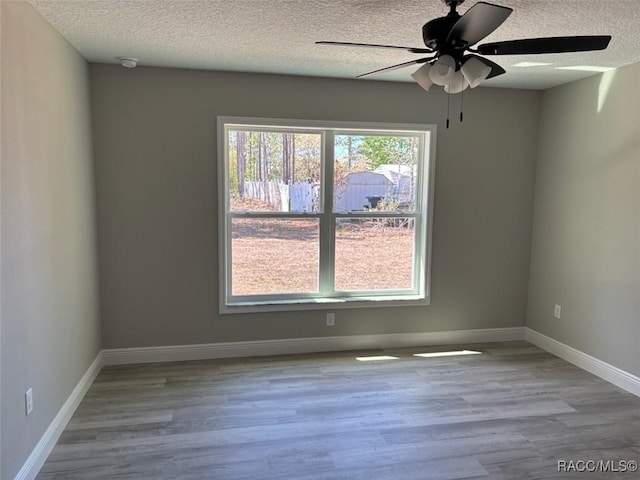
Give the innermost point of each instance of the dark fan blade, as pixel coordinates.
(495, 68)
(373, 45)
(397, 67)
(478, 22)
(546, 45)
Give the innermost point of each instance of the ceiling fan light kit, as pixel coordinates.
(475, 71)
(422, 77)
(448, 39)
(457, 84)
(443, 70)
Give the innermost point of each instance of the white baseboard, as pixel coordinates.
(607, 372)
(172, 353)
(43, 448)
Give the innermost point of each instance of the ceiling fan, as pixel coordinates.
(448, 39)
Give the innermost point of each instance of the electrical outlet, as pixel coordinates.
(557, 311)
(28, 401)
(331, 319)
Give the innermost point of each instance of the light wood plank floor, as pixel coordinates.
(510, 412)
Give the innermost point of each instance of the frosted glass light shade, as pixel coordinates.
(475, 71)
(458, 84)
(443, 71)
(422, 78)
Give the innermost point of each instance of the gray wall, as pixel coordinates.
(586, 239)
(50, 327)
(155, 154)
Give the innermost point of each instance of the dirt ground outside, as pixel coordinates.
(281, 255)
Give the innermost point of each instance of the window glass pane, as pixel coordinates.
(374, 253)
(274, 171)
(375, 172)
(274, 256)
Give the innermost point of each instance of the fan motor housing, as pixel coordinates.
(436, 32)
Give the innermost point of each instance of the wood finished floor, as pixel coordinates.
(510, 412)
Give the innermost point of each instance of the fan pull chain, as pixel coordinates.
(461, 105)
(448, 107)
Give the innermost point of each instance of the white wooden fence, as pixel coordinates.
(297, 197)
(354, 194)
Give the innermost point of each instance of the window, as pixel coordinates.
(323, 213)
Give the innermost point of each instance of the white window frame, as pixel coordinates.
(326, 298)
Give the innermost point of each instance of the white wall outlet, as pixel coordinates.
(28, 401)
(331, 319)
(557, 311)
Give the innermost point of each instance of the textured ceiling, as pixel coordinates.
(277, 36)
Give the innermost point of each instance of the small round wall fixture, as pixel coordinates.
(128, 62)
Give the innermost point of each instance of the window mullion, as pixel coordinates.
(327, 223)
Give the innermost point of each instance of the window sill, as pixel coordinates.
(324, 304)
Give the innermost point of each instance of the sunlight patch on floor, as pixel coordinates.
(451, 353)
(375, 358)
